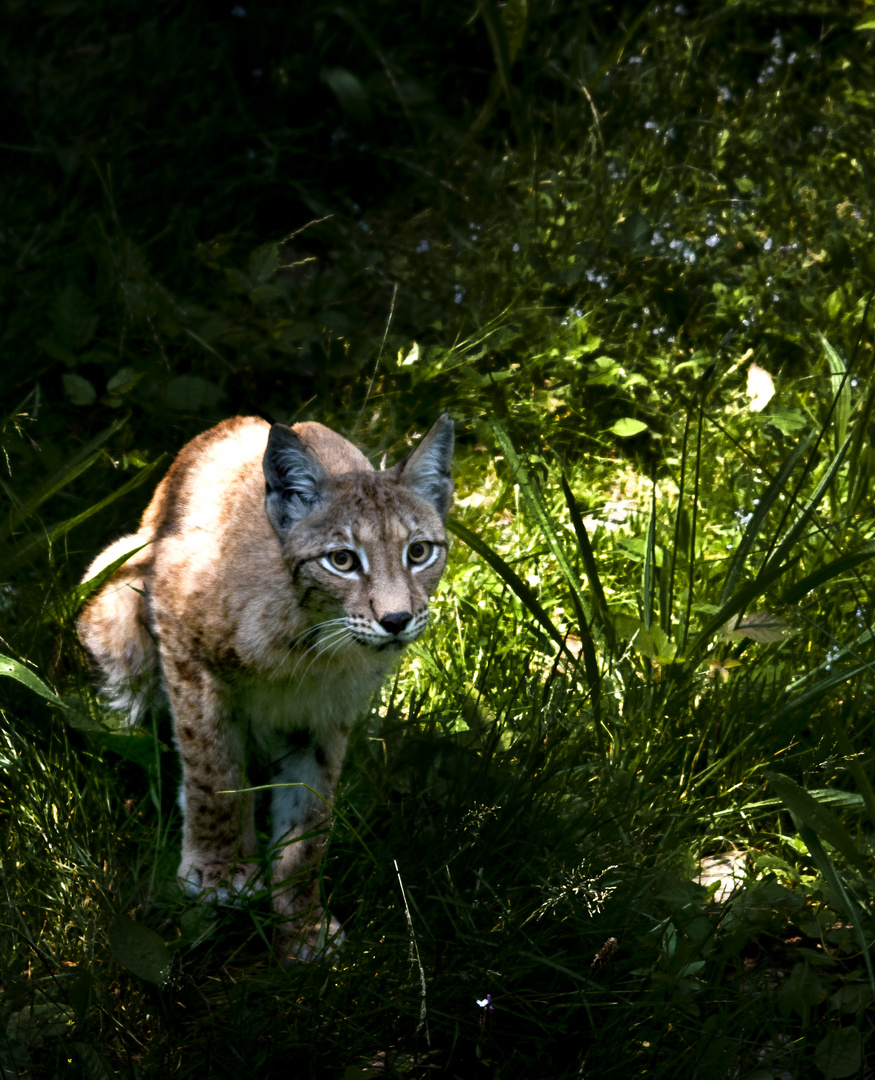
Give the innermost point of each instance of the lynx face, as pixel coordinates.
(274, 580)
(364, 550)
(364, 579)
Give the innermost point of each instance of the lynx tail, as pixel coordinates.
(114, 628)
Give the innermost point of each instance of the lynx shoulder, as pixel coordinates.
(276, 578)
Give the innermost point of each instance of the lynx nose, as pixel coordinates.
(395, 621)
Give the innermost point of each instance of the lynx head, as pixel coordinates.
(364, 549)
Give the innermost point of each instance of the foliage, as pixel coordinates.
(632, 251)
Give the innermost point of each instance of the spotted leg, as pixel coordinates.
(218, 834)
(306, 774)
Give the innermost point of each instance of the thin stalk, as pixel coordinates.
(666, 615)
(693, 531)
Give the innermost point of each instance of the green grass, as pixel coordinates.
(653, 644)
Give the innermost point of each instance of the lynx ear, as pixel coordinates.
(294, 479)
(426, 471)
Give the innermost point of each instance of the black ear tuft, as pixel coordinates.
(426, 471)
(294, 479)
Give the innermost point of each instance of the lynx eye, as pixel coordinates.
(419, 553)
(344, 560)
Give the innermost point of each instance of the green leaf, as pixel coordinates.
(26, 677)
(264, 263)
(57, 352)
(787, 421)
(124, 380)
(139, 949)
(264, 294)
(93, 1065)
(350, 93)
(651, 641)
(636, 231)
(191, 393)
(73, 317)
(761, 626)
(77, 390)
(800, 992)
(135, 744)
(627, 427)
(840, 1053)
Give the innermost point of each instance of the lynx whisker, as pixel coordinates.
(318, 648)
(314, 636)
(331, 645)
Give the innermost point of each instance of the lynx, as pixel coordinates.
(278, 578)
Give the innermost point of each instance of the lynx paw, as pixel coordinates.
(303, 944)
(220, 883)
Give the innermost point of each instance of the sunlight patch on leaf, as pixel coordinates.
(760, 387)
(627, 427)
(761, 626)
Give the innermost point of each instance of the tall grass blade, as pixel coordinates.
(538, 508)
(827, 572)
(691, 560)
(14, 670)
(841, 389)
(806, 809)
(783, 549)
(781, 559)
(512, 580)
(535, 501)
(498, 40)
(852, 650)
(666, 611)
(68, 605)
(78, 463)
(587, 556)
(851, 910)
(855, 766)
(649, 561)
(862, 453)
(804, 703)
(24, 550)
(614, 55)
(776, 488)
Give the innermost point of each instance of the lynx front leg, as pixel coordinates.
(306, 779)
(218, 833)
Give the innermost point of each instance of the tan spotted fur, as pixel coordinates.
(278, 579)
